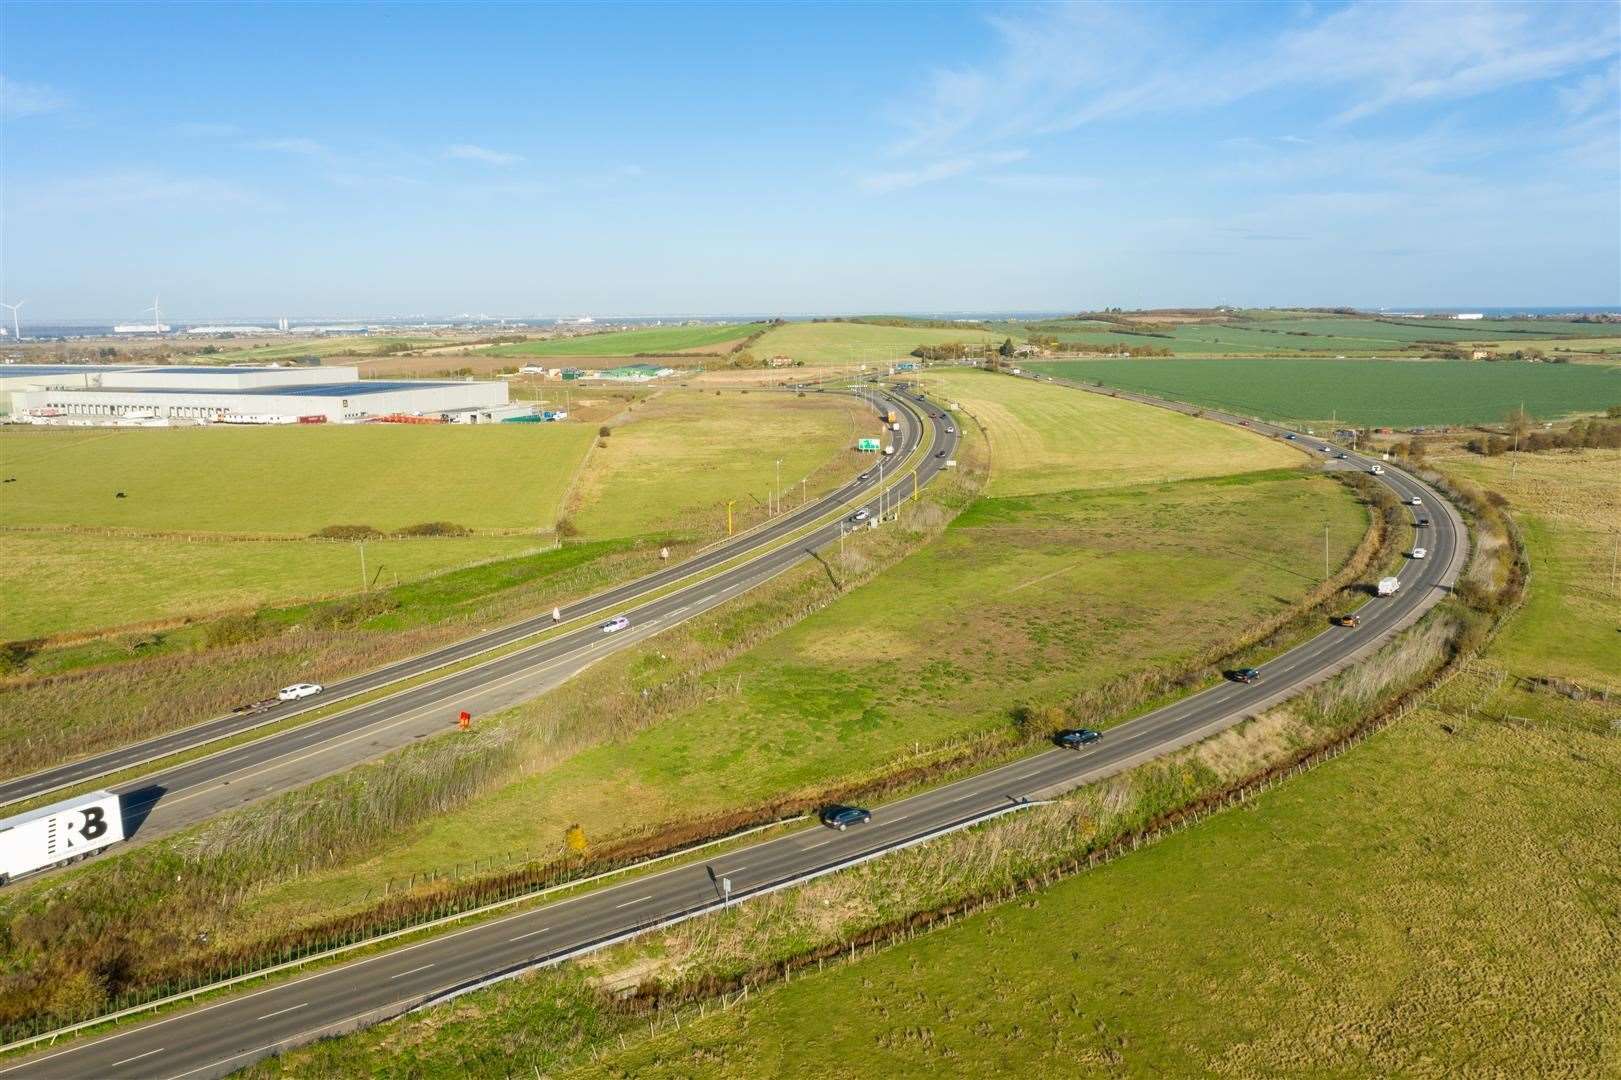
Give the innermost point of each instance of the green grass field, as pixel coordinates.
(836, 343)
(1044, 441)
(676, 461)
(1305, 334)
(290, 481)
(661, 339)
(1362, 392)
(71, 563)
(51, 583)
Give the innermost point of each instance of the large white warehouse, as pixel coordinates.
(66, 394)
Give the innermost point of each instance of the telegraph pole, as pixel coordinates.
(1325, 551)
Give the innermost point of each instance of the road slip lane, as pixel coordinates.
(233, 1032)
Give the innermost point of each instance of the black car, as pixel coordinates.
(1075, 738)
(842, 817)
(939, 453)
(1421, 522)
(1245, 675)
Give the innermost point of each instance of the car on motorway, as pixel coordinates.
(1377, 470)
(1353, 620)
(1243, 423)
(939, 453)
(841, 817)
(1421, 523)
(1245, 675)
(865, 476)
(1290, 436)
(950, 430)
(615, 624)
(1419, 553)
(1415, 501)
(1340, 456)
(860, 515)
(1075, 738)
(298, 691)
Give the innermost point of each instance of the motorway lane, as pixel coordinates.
(236, 1031)
(185, 794)
(24, 787)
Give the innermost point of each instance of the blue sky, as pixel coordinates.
(662, 158)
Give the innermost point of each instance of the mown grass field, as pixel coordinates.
(51, 583)
(661, 339)
(1025, 598)
(829, 343)
(1363, 392)
(677, 459)
(290, 481)
(1044, 441)
(75, 559)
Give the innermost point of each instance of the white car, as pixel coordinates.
(1415, 501)
(615, 624)
(860, 515)
(1419, 553)
(299, 690)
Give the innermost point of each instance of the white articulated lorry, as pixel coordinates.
(59, 833)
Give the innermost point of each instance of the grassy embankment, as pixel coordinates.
(1361, 392)
(687, 737)
(109, 687)
(655, 341)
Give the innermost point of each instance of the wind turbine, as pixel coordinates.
(16, 329)
(157, 321)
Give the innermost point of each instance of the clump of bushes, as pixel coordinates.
(348, 532)
(434, 528)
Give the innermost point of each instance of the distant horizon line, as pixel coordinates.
(747, 316)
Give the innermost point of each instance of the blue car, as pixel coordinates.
(1075, 738)
(842, 817)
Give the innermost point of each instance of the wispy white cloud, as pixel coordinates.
(932, 172)
(20, 99)
(290, 145)
(121, 190)
(469, 152)
(1064, 67)
(1591, 92)
(207, 129)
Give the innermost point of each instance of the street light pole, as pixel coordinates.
(777, 486)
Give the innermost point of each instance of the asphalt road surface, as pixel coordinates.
(221, 1037)
(183, 794)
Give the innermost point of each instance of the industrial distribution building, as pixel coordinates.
(76, 394)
